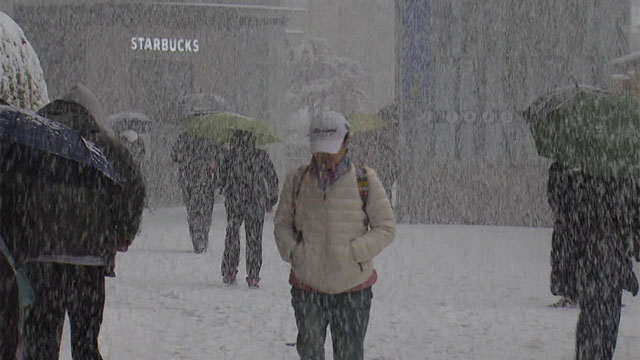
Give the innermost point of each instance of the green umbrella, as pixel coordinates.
(221, 126)
(593, 129)
(359, 122)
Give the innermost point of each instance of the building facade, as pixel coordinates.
(634, 38)
(363, 31)
(466, 71)
(143, 56)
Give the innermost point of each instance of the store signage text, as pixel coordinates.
(165, 44)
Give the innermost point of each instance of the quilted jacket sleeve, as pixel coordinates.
(382, 222)
(284, 222)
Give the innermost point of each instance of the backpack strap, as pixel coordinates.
(363, 188)
(297, 185)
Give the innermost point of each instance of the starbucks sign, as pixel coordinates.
(181, 45)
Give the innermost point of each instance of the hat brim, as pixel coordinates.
(326, 146)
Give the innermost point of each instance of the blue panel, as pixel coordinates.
(415, 50)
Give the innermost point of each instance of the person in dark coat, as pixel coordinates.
(197, 160)
(250, 184)
(379, 148)
(9, 304)
(561, 194)
(134, 143)
(607, 209)
(70, 223)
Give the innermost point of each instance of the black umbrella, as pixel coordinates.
(34, 131)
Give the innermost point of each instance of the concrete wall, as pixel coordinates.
(634, 37)
(6, 6)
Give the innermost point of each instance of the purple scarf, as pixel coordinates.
(327, 177)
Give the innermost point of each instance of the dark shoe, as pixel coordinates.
(229, 279)
(253, 282)
(199, 247)
(631, 283)
(565, 303)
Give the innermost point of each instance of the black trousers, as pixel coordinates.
(199, 201)
(9, 311)
(563, 263)
(64, 288)
(253, 218)
(597, 330)
(347, 314)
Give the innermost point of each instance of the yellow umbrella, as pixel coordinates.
(359, 122)
(221, 126)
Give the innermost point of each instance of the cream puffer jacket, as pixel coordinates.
(337, 248)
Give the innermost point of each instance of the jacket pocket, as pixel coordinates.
(297, 254)
(352, 258)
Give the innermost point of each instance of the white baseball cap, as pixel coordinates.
(327, 132)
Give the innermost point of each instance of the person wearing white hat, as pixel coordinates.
(333, 218)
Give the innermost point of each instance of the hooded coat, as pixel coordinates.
(195, 157)
(563, 195)
(51, 209)
(607, 214)
(55, 210)
(247, 175)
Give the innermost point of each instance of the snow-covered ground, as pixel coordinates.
(445, 292)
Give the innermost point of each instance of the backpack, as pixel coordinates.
(363, 189)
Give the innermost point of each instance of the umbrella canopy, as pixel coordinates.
(359, 122)
(202, 103)
(34, 131)
(593, 129)
(127, 120)
(222, 126)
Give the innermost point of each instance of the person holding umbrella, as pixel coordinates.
(562, 196)
(22, 87)
(249, 182)
(374, 142)
(70, 224)
(197, 158)
(129, 126)
(595, 131)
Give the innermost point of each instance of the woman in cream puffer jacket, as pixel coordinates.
(330, 234)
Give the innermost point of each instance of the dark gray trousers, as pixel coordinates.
(199, 206)
(253, 219)
(63, 288)
(347, 314)
(597, 330)
(9, 311)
